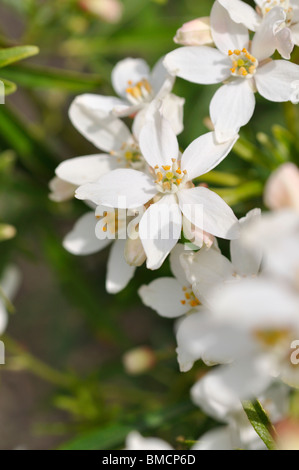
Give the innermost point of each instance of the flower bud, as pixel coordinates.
(61, 190)
(139, 360)
(195, 33)
(282, 188)
(108, 10)
(134, 252)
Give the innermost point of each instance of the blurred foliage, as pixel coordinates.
(77, 53)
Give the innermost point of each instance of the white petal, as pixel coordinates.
(217, 439)
(172, 108)
(227, 34)
(275, 80)
(247, 261)
(204, 153)
(119, 273)
(257, 303)
(123, 189)
(201, 64)
(82, 170)
(90, 116)
(176, 265)
(285, 43)
(164, 295)
(136, 442)
(158, 76)
(242, 13)
(232, 107)
(295, 33)
(264, 42)
(207, 270)
(158, 142)
(219, 392)
(216, 217)
(126, 71)
(61, 190)
(160, 229)
(82, 239)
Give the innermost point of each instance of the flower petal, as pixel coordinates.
(81, 170)
(227, 34)
(264, 41)
(204, 153)
(82, 239)
(242, 13)
(160, 229)
(61, 190)
(10, 282)
(217, 439)
(208, 211)
(275, 80)
(176, 265)
(136, 442)
(202, 64)
(231, 107)
(247, 261)
(159, 75)
(126, 71)
(122, 189)
(284, 43)
(119, 273)
(158, 142)
(90, 116)
(164, 295)
(295, 33)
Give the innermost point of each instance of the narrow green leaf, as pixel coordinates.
(114, 435)
(14, 54)
(260, 422)
(43, 77)
(10, 87)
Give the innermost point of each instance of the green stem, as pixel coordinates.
(37, 367)
(261, 423)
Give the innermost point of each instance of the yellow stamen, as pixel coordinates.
(166, 167)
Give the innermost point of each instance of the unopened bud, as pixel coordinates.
(134, 252)
(195, 33)
(108, 10)
(282, 188)
(139, 360)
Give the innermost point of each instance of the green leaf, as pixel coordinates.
(10, 87)
(260, 422)
(14, 54)
(114, 435)
(43, 77)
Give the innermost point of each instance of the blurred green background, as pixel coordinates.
(64, 383)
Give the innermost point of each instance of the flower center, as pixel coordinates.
(190, 298)
(140, 92)
(244, 64)
(272, 338)
(130, 155)
(285, 4)
(170, 178)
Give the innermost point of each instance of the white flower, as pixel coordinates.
(285, 31)
(282, 188)
(136, 87)
(171, 297)
(109, 10)
(82, 240)
(136, 442)
(168, 190)
(10, 282)
(209, 271)
(216, 400)
(243, 67)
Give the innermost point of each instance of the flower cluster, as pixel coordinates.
(144, 199)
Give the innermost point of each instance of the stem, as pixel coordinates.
(36, 366)
(261, 423)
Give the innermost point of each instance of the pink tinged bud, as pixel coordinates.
(139, 360)
(282, 188)
(288, 434)
(195, 33)
(108, 10)
(134, 252)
